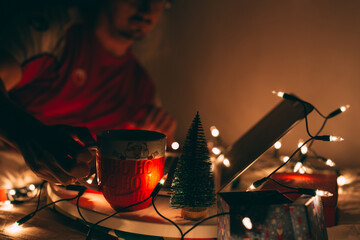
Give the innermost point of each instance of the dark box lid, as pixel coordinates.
(254, 198)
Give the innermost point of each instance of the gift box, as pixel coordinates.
(321, 181)
(269, 215)
(265, 214)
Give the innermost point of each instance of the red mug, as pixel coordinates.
(129, 165)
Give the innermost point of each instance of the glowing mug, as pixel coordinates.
(129, 164)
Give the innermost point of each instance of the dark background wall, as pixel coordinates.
(224, 58)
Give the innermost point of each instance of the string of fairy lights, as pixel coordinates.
(218, 148)
(303, 147)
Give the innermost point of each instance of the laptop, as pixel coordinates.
(263, 135)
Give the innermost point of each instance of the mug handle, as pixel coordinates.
(93, 187)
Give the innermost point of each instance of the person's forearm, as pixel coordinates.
(15, 123)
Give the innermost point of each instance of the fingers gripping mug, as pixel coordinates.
(129, 164)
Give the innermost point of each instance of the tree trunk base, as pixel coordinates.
(194, 213)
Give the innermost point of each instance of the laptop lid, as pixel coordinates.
(263, 135)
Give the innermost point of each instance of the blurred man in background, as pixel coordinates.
(67, 72)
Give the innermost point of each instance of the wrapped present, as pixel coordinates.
(269, 215)
(321, 181)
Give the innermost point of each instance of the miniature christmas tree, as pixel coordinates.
(193, 185)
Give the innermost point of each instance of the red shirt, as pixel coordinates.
(87, 87)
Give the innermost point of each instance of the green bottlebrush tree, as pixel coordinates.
(193, 184)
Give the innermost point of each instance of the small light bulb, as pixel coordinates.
(277, 145)
(344, 108)
(175, 145)
(216, 150)
(91, 179)
(297, 166)
(12, 192)
(300, 143)
(221, 157)
(336, 139)
(285, 158)
(330, 163)
(7, 202)
(32, 187)
(6, 205)
(341, 180)
(247, 223)
(323, 193)
(329, 138)
(279, 94)
(338, 111)
(226, 162)
(214, 131)
(302, 170)
(158, 186)
(304, 149)
(252, 187)
(14, 228)
(163, 179)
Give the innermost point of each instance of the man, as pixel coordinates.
(91, 80)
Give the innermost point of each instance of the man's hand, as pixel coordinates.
(57, 153)
(156, 119)
(51, 152)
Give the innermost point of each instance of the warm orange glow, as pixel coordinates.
(285, 158)
(221, 157)
(336, 139)
(226, 162)
(279, 94)
(344, 108)
(300, 143)
(163, 179)
(12, 192)
(323, 193)
(330, 163)
(6, 206)
(252, 187)
(304, 149)
(294, 176)
(214, 131)
(247, 223)
(175, 145)
(32, 187)
(302, 170)
(14, 228)
(216, 150)
(341, 180)
(297, 166)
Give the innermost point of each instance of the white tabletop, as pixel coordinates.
(146, 221)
